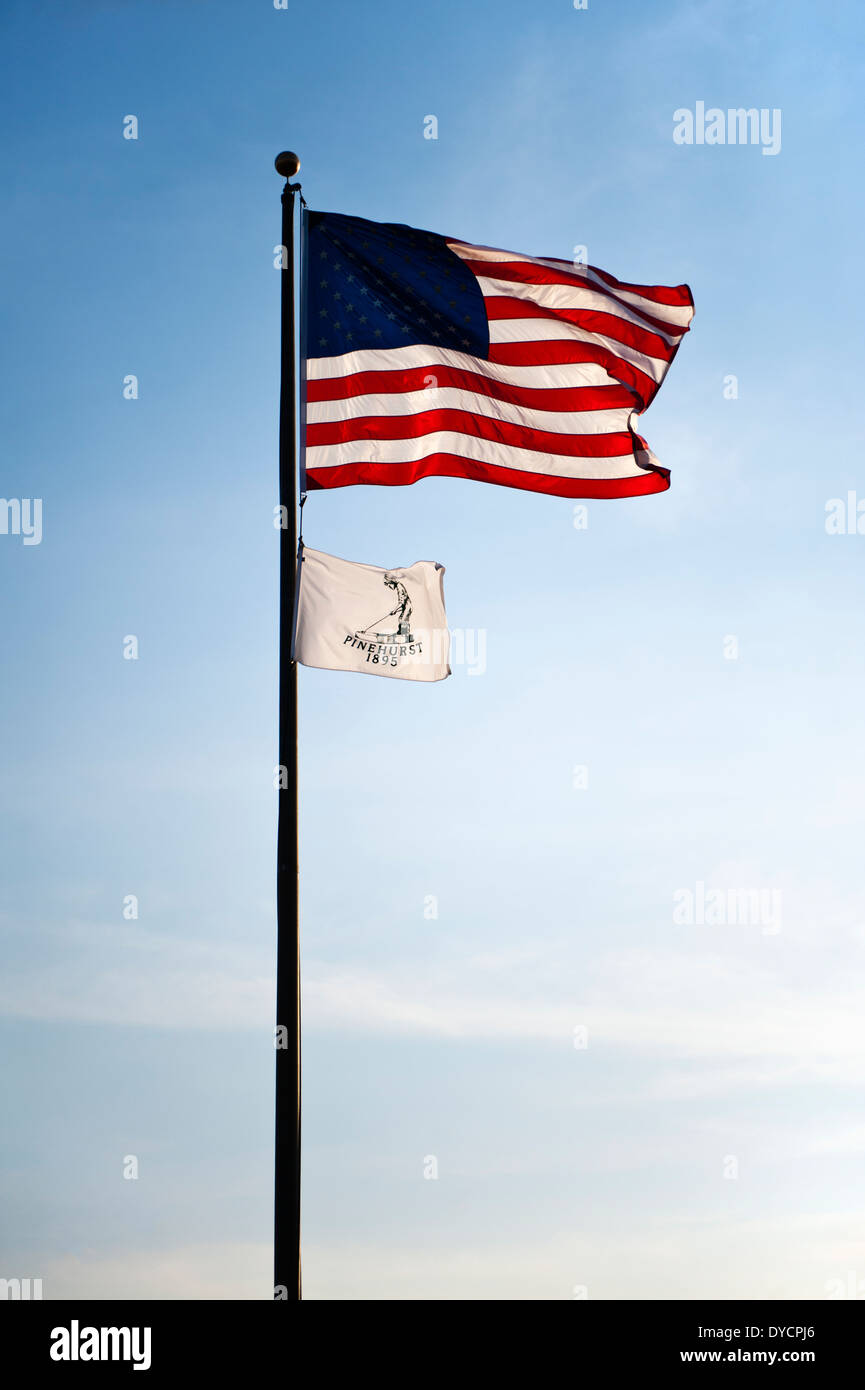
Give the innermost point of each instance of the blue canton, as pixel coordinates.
(383, 285)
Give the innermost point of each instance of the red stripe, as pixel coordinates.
(559, 398)
(453, 466)
(506, 306)
(522, 272)
(374, 427)
(554, 351)
(678, 295)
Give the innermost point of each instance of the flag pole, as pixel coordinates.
(286, 1217)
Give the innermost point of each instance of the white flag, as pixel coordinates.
(353, 617)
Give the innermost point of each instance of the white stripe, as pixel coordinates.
(541, 330)
(558, 297)
(677, 315)
(452, 398)
(469, 446)
(561, 375)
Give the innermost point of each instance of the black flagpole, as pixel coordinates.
(286, 1216)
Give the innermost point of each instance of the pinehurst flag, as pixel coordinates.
(353, 617)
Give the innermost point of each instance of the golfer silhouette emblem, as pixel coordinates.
(402, 613)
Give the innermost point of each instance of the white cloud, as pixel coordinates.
(131, 975)
(806, 1257)
(754, 1029)
(810, 1256)
(217, 1271)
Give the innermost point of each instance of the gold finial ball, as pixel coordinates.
(287, 164)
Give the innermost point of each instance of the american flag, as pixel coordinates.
(426, 356)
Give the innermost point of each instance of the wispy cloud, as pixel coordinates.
(806, 1256)
(131, 975)
(217, 1271)
(753, 1029)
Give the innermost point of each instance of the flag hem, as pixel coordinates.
(655, 479)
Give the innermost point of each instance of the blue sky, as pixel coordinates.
(560, 1168)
